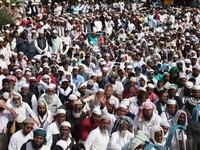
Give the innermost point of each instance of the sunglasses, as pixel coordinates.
(15, 99)
(29, 128)
(50, 91)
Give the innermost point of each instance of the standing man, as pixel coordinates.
(98, 138)
(22, 136)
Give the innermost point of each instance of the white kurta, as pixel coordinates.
(117, 142)
(96, 140)
(18, 139)
(30, 147)
(51, 129)
(145, 126)
(3, 52)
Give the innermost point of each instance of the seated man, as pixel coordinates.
(89, 124)
(122, 136)
(75, 117)
(146, 118)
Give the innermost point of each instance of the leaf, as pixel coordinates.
(5, 18)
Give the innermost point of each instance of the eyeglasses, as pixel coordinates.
(29, 128)
(15, 99)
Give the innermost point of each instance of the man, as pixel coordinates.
(131, 90)
(89, 124)
(57, 43)
(138, 60)
(45, 71)
(53, 132)
(51, 99)
(117, 86)
(76, 77)
(122, 136)
(75, 117)
(172, 95)
(185, 91)
(65, 90)
(66, 142)
(41, 44)
(38, 142)
(41, 115)
(195, 74)
(109, 94)
(146, 118)
(162, 100)
(5, 87)
(33, 88)
(27, 96)
(20, 107)
(22, 136)
(99, 137)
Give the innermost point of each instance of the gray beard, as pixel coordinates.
(104, 131)
(64, 137)
(49, 98)
(17, 105)
(76, 115)
(123, 133)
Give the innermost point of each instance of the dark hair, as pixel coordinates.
(131, 74)
(192, 80)
(78, 146)
(161, 92)
(5, 81)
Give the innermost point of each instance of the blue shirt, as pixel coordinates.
(78, 79)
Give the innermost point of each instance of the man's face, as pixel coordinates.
(95, 117)
(41, 110)
(82, 89)
(60, 118)
(196, 93)
(149, 90)
(16, 101)
(27, 128)
(163, 98)
(196, 72)
(19, 75)
(158, 136)
(75, 72)
(64, 132)
(123, 127)
(25, 90)
(121, 112)
(132, 84)
(46, 70)
(38, 141)
(148, 112)
(77, 108)
(172, 93)
(171, 108)
(151, 75)
(50, 91)
(165, 129)
(6, 71)
(104, 124)
(109, 91)
(181, 119)
(6, 86)
(112, 80)
(182, 82)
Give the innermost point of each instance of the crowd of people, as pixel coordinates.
(93, 76)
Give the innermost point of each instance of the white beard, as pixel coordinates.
(76, 115)
(160, 89)
(123, 133)
(49, 98)
(104, 131)
(1, 114)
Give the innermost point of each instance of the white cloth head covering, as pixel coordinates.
(189, 84)
(171, 101)
(97, 111)
(65, 123)
(155, 129)
(72, 97)
(61, 111)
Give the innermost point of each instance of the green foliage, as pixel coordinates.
(5, 18)
(11, 1)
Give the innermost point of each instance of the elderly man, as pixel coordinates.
(41, 115)
(99, 137)
(146, 118)
(131, 90)
(22, 136)
(75, 117)
(122, 136)
(52, 99)
(89, 124)
(53, 132)
(27, 96)
(38, 142)
(66, 142)
(20, 107)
